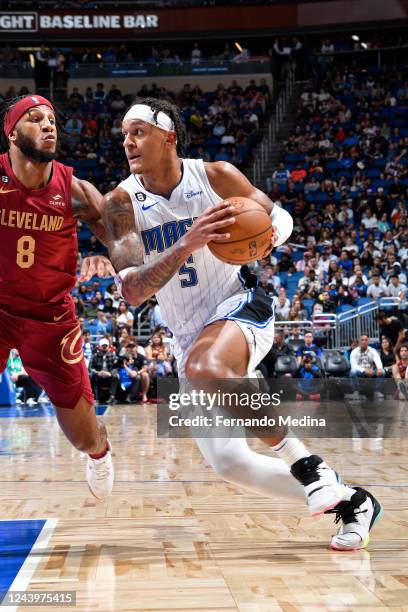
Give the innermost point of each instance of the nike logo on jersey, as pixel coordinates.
(2, 190)
(147, 206)
(60, 316)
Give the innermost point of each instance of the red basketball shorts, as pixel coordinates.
(51, 354)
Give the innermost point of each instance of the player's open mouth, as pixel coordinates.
(48, 138)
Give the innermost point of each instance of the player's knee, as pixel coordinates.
(206, 367)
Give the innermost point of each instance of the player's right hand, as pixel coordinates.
(98, 265)
(210, 225)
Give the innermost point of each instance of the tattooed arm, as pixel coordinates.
(140, 281)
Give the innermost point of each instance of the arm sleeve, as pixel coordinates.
(283, 224)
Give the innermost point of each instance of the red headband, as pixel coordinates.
(18, 110)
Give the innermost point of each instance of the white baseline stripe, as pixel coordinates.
(23, 578)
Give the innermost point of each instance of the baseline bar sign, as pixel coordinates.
(34, 22)
(18, 22)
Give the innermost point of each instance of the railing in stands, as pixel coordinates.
(143, 324)
(265, 148)
(338, 330)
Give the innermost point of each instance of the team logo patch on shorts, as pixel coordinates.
(71, 351)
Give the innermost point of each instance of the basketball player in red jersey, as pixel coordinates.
(40, 202)
(220, 337)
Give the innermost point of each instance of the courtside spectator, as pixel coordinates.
(101, 368)
(365, 362)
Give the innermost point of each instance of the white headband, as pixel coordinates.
(145, 113)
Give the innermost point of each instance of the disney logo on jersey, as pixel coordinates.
(57, 200)
(193, 194)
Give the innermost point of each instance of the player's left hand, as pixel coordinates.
(96, 266)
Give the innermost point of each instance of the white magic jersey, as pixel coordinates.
(190, 298)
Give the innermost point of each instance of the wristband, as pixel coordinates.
(283, 224)
(120, 277)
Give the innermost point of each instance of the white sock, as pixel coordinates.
(291, 450)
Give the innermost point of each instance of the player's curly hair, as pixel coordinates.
(173, 112)
(8, 104)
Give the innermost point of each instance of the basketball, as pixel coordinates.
(250, 235)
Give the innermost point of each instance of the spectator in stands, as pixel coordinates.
(365, 362)
(377, 289)
(391, 328)
(31, 391)
(282, 306)
(196, 54)
(222, 155)
(125, 316)
(156, 318)
(281, 176)
(126, 381)
(295, 334)
(134, 351)
(396, 289)
(309, 286)
(309, 348)
(102, 366)
(155, 347)
(327, 302)
(399, 371)
(387, 355)
(299, 174)
(308, 371)
(279, 347)
(99, 95)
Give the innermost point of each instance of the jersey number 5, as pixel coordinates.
(191, 272)
(25, 251)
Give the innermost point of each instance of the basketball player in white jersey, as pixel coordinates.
(158, 223)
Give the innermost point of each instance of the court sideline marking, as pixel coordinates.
(26, 572)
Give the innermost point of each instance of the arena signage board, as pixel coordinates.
(69, 25)
(18, 22)
(32, 22)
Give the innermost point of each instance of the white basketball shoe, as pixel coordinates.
(323, 486)
(100, 475)
(358, 516)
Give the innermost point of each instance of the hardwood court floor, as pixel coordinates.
(175, 537)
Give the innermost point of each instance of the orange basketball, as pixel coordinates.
(250, 235)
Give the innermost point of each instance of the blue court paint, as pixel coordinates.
(16, 540)
(21, 411)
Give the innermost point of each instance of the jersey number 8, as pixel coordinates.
(25, 251)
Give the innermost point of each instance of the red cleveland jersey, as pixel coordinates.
(39, 247)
